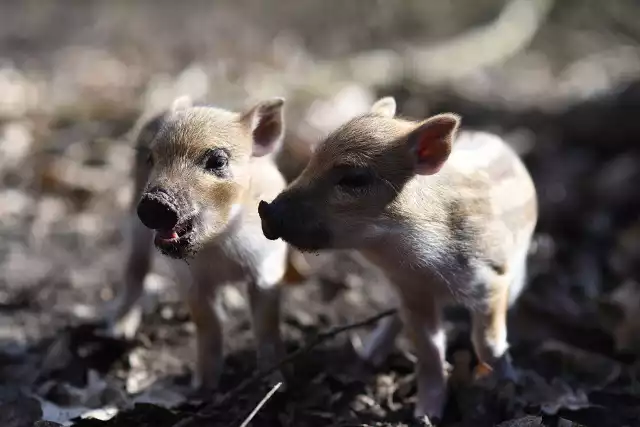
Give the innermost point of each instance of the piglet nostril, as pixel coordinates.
(156, 213)
(263, 208)
(264, 211)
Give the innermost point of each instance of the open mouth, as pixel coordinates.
(177, 234)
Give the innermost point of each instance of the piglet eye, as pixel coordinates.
(356, 178)
(143, 154)
(216, 161)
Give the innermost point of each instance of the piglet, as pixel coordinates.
(447, 216)
(199, 175)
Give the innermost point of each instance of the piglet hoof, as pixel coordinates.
(504, 369)
(267, 360)
(123, 326)
(425, 421)
(277, 377)
(206, 376)
(501, 370)
(429, 413)
(199, 390)
(370, 355)
(431, 404)
(201, 385)
(369, 359)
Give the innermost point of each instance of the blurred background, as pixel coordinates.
(560, 80)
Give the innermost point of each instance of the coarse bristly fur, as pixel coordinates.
(199, 174)
(448, 216)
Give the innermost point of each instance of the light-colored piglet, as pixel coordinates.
(199, 175)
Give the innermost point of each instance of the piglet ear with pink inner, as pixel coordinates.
(266, 123)
(430, 143)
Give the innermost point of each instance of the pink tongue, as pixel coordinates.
(167, 234)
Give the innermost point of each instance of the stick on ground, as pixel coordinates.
(253, 413)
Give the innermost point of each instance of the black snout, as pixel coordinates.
(157, 210)
(294, 221)
(270, 220)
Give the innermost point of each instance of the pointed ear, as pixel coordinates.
(181, 103)
(266, 122)
(384, 107)
(430, 143)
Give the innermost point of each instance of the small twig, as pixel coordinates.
(253, 413)
(320, 338)
(261, 374)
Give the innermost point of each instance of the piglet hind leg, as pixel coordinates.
(380, 343)
(125, 314)
(423, 323)
(264, 301)
(489, 330)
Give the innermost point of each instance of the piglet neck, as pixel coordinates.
(408, 242)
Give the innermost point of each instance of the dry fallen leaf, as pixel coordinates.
(551, 396)
(588, 366)
(528, 421)
(626, 331)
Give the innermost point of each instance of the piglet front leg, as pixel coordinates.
(423, 323)
(200, 297)
(264, 301)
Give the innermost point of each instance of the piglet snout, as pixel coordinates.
(269, 220)
(156, 210)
